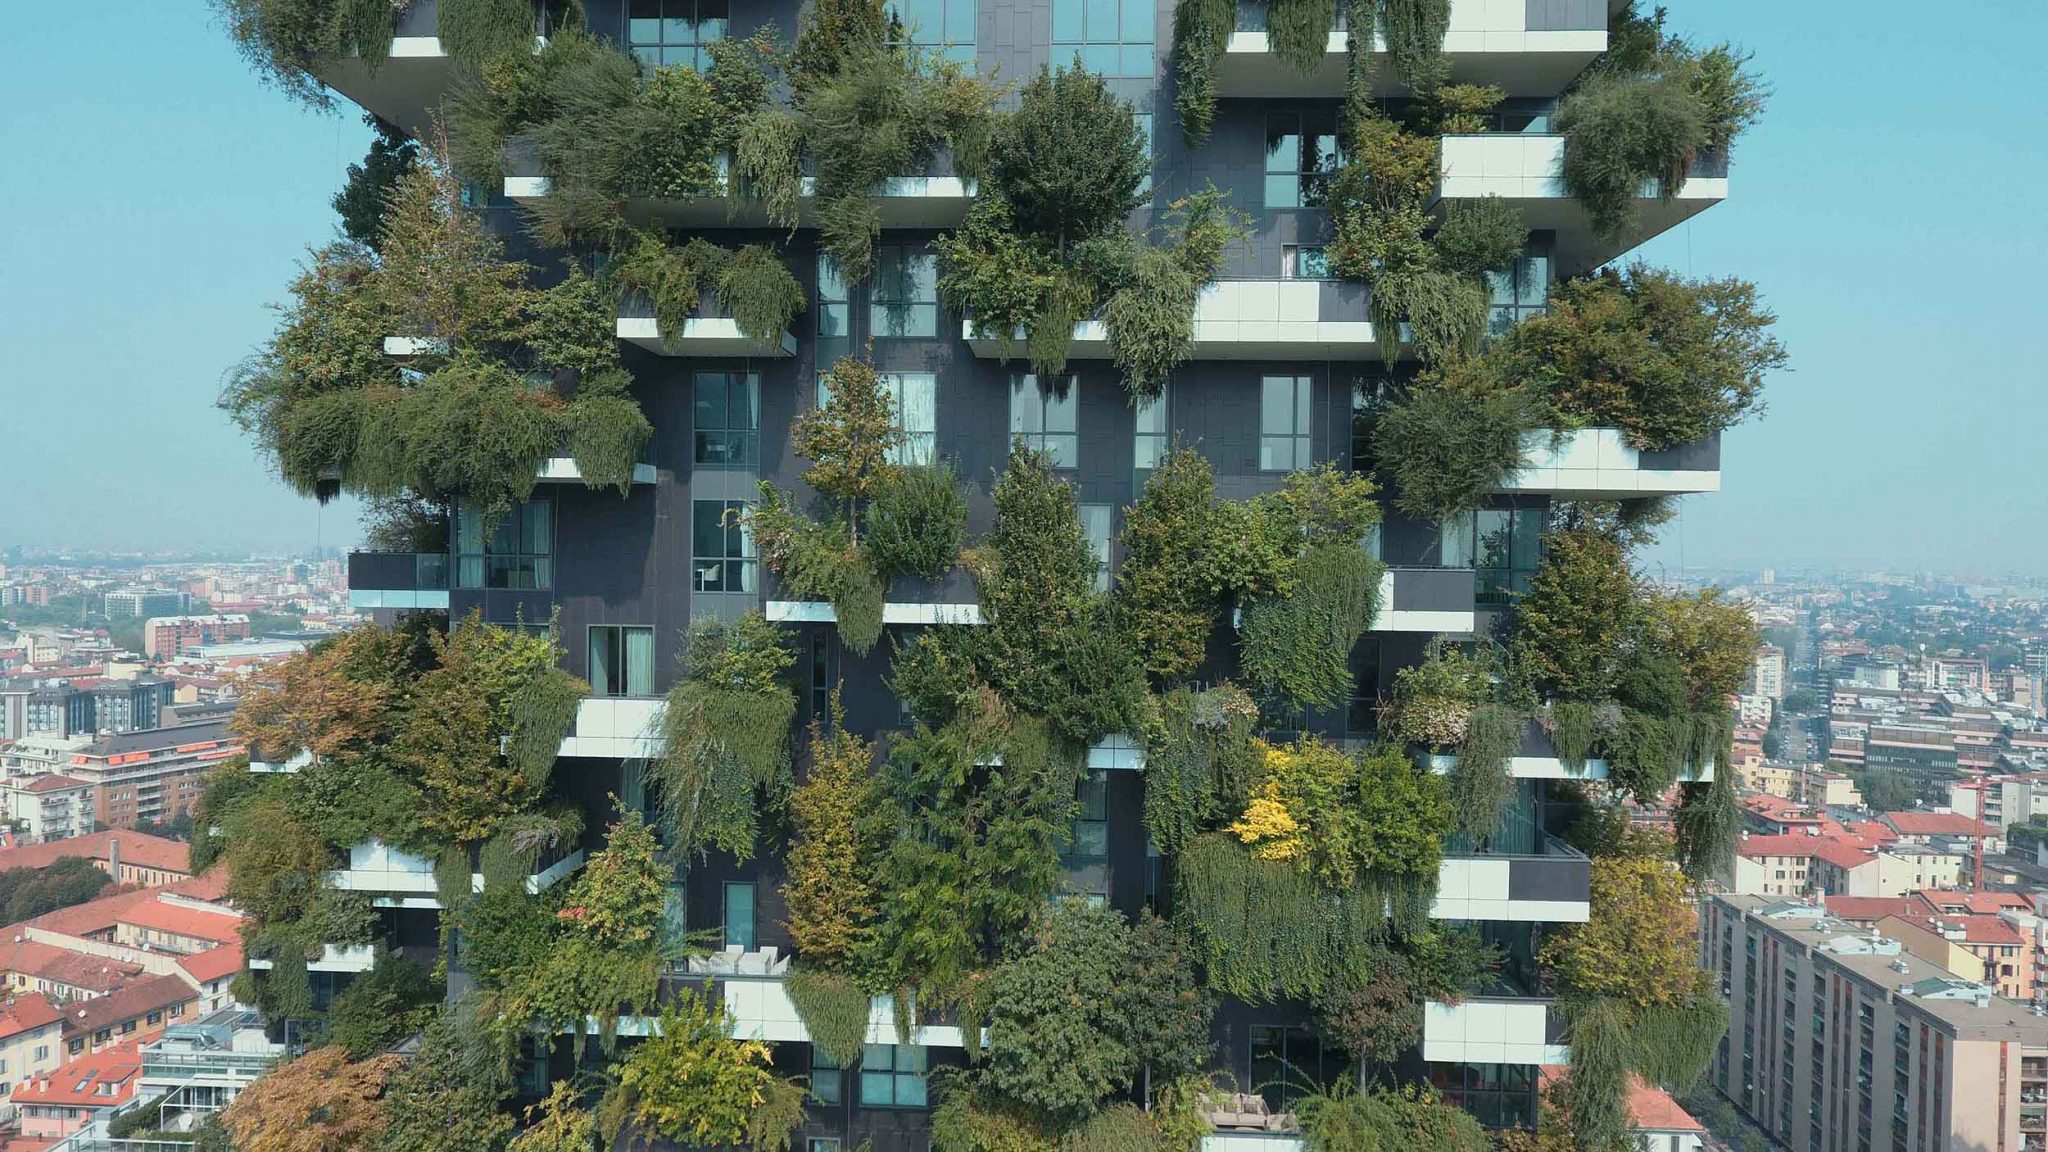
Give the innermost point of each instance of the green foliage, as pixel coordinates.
(1264, 929)
(1461, 110)
(1374, 1013)
(1164, 1007)
(26, 893)
(848, 439)
(768, 161)
(573, 327)
(1595, 1093)
(1007, 281)
(725, 733)
(286, 40)
(917, 522)
(607, 435)
(1150, 320)
(382, 1006)
(1665, 359)
(1571, 623)
(758, 291)
(479, 31)
(362, 199)
(1200, 762)
(447, 1095)
(833, 32)
(691, 1082)
(1298, 647)
(1481, 786)
(1056, 1042)
(934, 674)
(834, 1009)
(1299, 31)
(1165, 606)
(1480, 236)
(838, 839)
(970, 1118)
(1414, 32)
(1708, 822)
(1069, 160)
(1349, 1119)
(1201, 30)
(1434, 700)
(674, 278)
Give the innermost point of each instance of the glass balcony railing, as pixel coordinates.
(398, 571)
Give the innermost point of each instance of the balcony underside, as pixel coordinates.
(902, 201)
(1522, 63)
(710, 337)
(405, 89)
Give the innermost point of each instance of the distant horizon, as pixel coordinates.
(1893, 443)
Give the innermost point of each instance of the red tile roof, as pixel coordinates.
(1935, 901)
(104, 1079)
(26, 1014)
(157, 915)
(52, 782)
(1841, 854)
(213, 964)
(1868, 909)
(1654, 1110)
(137, 848)
(93, 916)
(1937, 824)
(31, 958)
(209, 886)
(126, 1003)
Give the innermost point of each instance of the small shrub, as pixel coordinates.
(917, 522)
(607, 433)
(1454, 437)
(1480, 236)
(1298, 647)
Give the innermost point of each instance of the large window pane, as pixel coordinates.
(728, 417)
(905, 293)
(739, 915)
(1098, 521)
(1047, 417)
(721, 547)
(1151, 438)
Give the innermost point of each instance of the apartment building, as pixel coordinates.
(47, 806)
(153, 775)
(1842, 1040)
(1285, 373)
(1981, 948)
(167, 636)
(1767, 675)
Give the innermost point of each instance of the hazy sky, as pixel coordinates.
(153, 198)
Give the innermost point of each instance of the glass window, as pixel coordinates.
(1284, 423)
(1087, 857)
(728, 420)
(1301, 157)
(892, 1076)
(1152, 438)
(738, 915)
(1522, 291)
(904, 292)
(834, 335)
(1047, 418)
(675, 32)
(1144, 122)
(621, 660)
(1304, 262)
(1098, 521)
(941, 27)
(1112, 37)
(914, 399)
(518, 552)
(721, 547)
(1503, 544)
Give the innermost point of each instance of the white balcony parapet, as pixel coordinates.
(1407, 602)
(625, 728)
(1243, 320)
(1487, 42)
(414, 347)
(821, 612)
(1552, 768)
(333, 958)
(403, 599)
(402, 880)
(708, 336)
(761, 1010)
(1480, 888)
(289, 766)
(903, 202)
(563, 470)
(1253, 1142)
(1527, 171)
(1600, 462)
(1490, 1031)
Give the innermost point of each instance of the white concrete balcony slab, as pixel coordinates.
(1526, 170)
(1599, 463)
(1537, 759)
(1244, 320)
(289, 766)
(563, 470)
(893, 612)
(761, 1010)
(408, 86)
(415, 347)
(333, 958)
(1545, 889)
(402, 880)
(1438, 600)
(1527, 47)
(616, 727)
(902, 201)
(710, 337)
(1493, 1030)
(1253, 1142)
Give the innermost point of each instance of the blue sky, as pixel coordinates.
(155, 198)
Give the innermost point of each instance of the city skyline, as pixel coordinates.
(1821, 479)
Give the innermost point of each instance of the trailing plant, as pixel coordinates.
(1298, 31)
(479, 31)
(1346, 1118)
(607, 436)
(725, 733)
(834, 1009)
(1666, 360)
(1481, 785)
(1201, 30)
(1150, 320)
(1595, 1091)
(758, 291)
(1414, 32)
(1708, 822)
(673, 278)
(1200, 761)
(1298, 646)
(917, 521)
(768, 161)
(285, 41)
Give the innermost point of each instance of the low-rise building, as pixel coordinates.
(68, 1099)
(166, 636)
(31, 1042)
(136, 1011)
(126, 857)
(47, 806)
(1977, 947)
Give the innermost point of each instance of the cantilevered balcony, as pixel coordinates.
(403, 580)
(1245, 320)
(1599, 464)
(1493, 1030)
(564, 470)
(616, 727)
(1526, 170)
(757, 1001)
(704, 335)
(951, 599)
(1527, 47)
(1536, 759)
(396, 879)
(408, 86)
(1437, 600)
(1521, 874)
(903, 201)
